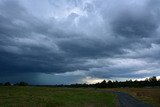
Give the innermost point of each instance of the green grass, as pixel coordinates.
(54, 97)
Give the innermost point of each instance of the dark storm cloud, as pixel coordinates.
(134, 19)
(90, 48)
(18, 54)
(101, 39)
(134, 27)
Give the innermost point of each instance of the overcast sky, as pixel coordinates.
(78, 41)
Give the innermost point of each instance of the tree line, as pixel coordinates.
(148, 82)
(17, 84)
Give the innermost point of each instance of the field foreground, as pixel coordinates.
(54, 97)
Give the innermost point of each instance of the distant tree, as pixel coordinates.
(22, 84)
(153, 79)
(129, 83)
(110, 84)
(115, 84)
(103, 84)
(7, 84)
(135, 83)
(146, 79)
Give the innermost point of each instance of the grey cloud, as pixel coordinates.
(90, 48)
(134, 27)
(65, 40)
(132, 20)
(125, 68)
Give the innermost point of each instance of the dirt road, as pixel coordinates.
(126, 100)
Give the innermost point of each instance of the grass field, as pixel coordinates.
(148, 95)
(13, 96)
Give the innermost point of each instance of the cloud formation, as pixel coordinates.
(79, 40)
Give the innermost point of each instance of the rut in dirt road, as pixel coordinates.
(126, 100)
